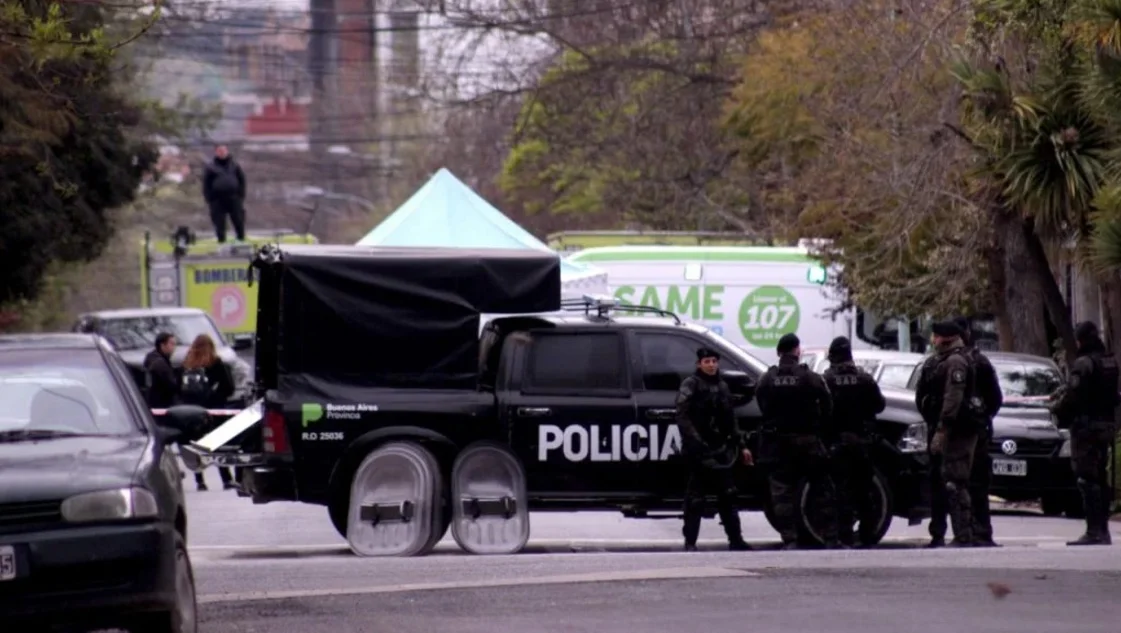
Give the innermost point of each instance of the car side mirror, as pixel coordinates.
(741, 385)
(184, 422)
(242, 343)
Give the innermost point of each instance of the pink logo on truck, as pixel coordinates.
(227, 306)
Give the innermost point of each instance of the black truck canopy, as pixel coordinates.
(332, 320)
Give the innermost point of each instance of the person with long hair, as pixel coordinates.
(207, 383)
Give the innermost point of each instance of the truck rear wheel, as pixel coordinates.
(490, 512)
(395, 506)
(809, 533)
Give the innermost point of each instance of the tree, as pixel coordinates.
(1046, 127)
(594, 140)
(69, 152)
(843, 110)
(624, 124)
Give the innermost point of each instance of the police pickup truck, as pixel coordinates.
(390, 398)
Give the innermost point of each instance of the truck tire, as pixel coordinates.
(810, 535)
(400, 488)
(490, 511)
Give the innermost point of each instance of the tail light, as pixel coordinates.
(274, 435)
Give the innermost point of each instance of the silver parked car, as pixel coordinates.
(891, 369)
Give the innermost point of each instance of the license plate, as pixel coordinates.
(7, 562)
(1010, 467)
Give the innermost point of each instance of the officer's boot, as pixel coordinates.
(1093, 505)
(1107, 511)
(692, 527)
(961, 515)
(731, 520)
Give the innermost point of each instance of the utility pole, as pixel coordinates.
(321, 68)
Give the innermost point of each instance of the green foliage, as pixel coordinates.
(1052, 134)
(564, 178)
(620, 129)
(846, 142)
(68, 148)
(772, 110)
(1046, 150)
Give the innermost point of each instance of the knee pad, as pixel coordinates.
(695, 504)
(951, 487)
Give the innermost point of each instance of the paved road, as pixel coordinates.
(282, 567)
(781, 600)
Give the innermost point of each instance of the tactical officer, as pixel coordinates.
(948, 405)
(797, 403)
(926, 404)
(981, 476)
(712, 446)
(856, 402)
(1088, 407)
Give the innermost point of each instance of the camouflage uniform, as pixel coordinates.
(981, 477)
(925, 404)
(796, 401)
(856, 402)
(946, 400)
(1088, 408)
(712, 446)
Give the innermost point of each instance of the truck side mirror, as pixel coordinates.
(741, 385)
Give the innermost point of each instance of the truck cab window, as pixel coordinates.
(583, 361)
(666, 360)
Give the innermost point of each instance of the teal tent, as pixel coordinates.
(446, 212)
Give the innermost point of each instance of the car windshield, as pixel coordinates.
(753, 363)
(896, 375)
(60, 392)
(141, 332)
(1027, 379)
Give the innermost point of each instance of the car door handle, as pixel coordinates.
(534, 412)
(660, 414)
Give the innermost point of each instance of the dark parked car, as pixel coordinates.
(133, 332)
(1031, 456)
(93, 530)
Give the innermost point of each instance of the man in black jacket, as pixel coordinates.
(947, 399)
(981, 477)
(711, 445)
(857, 401)
(1088, 407)
(162, 387)
(796, 402)
(223, 188)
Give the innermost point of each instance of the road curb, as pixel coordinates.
(555, 546)
(681, 573)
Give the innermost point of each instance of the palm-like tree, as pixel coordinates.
(1102, 95)
(1049, 143)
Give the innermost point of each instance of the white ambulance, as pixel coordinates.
(752, 295)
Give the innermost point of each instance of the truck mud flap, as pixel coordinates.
(490, 513)
(394, 502)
